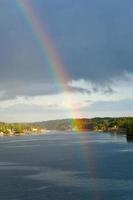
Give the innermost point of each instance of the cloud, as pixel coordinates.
(32, 112)
(11, 91)
(36, 89)
(93, 39)
(94, 42)
(109, 106)
(91, 87)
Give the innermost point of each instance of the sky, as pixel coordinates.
(94, 43)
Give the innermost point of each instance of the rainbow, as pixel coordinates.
(47, 46)
(58, 69)
(45, 42)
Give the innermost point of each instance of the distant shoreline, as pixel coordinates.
(122, 125)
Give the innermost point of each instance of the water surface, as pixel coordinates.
(62, 166)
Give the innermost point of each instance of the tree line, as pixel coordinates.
(119, 125)
(17, 128)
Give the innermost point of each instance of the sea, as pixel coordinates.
(66, 166)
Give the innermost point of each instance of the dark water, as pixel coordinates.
(66, 166)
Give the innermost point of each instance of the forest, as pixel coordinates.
(107, 124)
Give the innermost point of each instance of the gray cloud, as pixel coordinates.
(11, 91)
(93, 38)
(78, 89)
(28, 89)
(121, 105)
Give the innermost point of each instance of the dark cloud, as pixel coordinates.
(28, 89)
(78, 89)
(93, 38)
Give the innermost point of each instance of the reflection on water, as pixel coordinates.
(126, 150)
(130, 139)
(60, 166)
